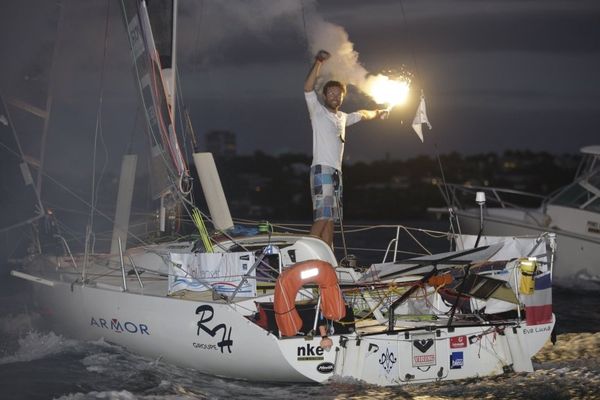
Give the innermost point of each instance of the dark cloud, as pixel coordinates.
(550, 31)
(496, 74)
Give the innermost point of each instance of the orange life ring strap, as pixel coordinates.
(289, 283)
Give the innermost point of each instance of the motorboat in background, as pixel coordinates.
(571, 212)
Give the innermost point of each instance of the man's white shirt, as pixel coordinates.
(329, 131)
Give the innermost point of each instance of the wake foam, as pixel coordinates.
(35, 345)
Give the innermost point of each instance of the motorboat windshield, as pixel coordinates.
(584, 192)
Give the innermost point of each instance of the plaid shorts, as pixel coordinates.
(326, 189)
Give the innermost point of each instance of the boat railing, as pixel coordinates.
(497, 196)
(394, 241)
(407, 241)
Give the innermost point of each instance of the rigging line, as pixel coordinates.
(208, 218)
(183, 116)
(99, 120)
(76, 196)
(412, 50)
(418, 78)
(20, 154)
(416, 240)
(133, 130)
(413, 253)
(104, 165)
(304, 23)
(199, 17)
(359, 227)
(439, 160)
(22, 223)
(291, 229)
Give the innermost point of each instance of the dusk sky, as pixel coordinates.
(496, 75)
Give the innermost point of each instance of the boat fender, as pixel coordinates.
(289, 283)
(528, 267)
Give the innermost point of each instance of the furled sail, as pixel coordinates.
(151, 42)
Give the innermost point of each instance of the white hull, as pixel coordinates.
(577, 255)
(167, 328)
(223, 339)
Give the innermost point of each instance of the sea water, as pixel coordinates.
(36, 364)
(44, 365)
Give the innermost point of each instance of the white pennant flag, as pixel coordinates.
(420, 118)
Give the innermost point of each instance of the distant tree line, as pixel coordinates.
(261, 186)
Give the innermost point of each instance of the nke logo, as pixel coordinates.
(310, 351)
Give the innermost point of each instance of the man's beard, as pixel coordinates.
(333, 105)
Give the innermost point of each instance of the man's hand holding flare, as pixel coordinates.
(322, 56)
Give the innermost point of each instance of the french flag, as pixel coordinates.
(538, 306)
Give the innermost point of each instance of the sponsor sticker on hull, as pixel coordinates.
(221, 332)
(423, 351)
(387, 360)
(456, 342)
(456, 360)
(117, 326)
(309, 353)
(325, 367)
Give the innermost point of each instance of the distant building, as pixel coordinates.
(221, 143)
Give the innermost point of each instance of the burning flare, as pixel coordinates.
(385, 90)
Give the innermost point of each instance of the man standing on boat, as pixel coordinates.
(329, 134)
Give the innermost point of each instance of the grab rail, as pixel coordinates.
(68, 249)
(122, 265)
(136, 271)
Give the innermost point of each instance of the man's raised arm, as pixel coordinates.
(311, 79)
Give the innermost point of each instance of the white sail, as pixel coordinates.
(154, 92)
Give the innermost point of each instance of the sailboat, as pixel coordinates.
(252, 307)
(572, 212)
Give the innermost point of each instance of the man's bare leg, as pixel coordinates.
(327, 234)
(323, 228)
(317, 227)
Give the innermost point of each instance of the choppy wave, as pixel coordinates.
(36, 365)
(100, 370)
(35, 345)
(16, 324)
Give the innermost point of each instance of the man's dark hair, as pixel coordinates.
(334, 84)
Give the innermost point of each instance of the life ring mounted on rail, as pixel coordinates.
(289, 283)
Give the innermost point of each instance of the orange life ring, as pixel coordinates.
(291, 280)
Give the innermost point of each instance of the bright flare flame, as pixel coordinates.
(388, 91)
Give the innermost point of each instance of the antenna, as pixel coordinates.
(480, 199)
